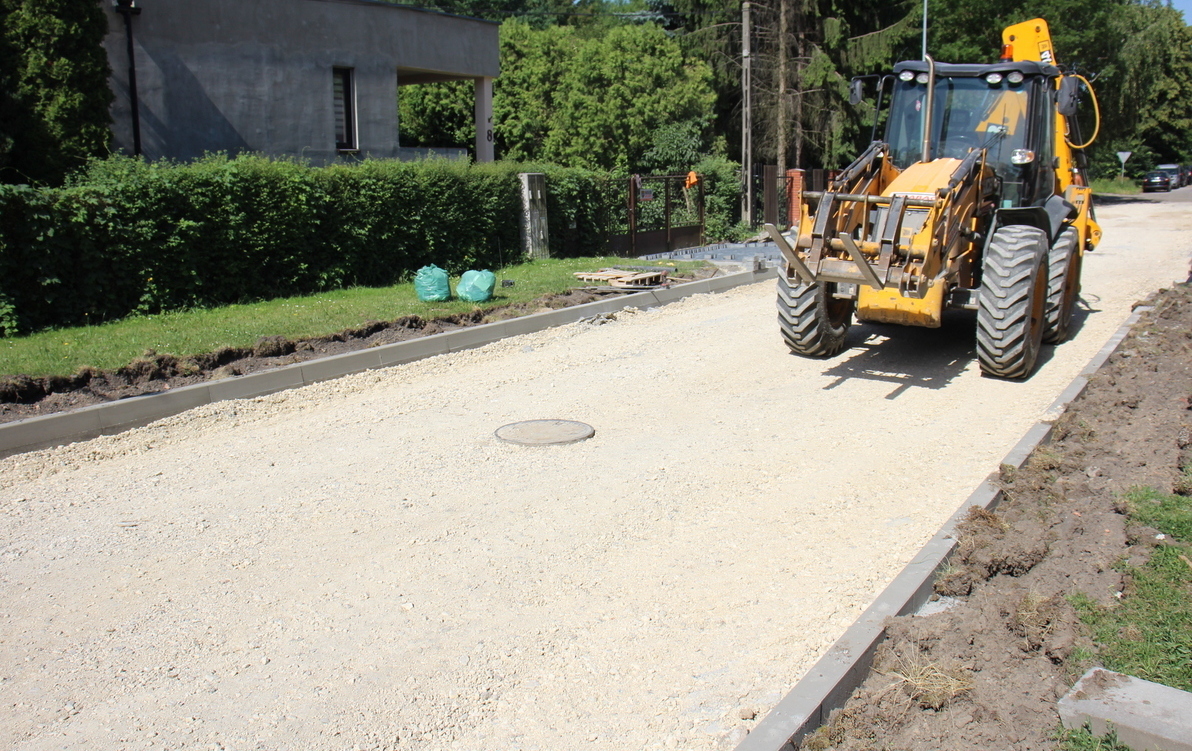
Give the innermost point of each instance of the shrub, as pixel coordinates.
(126, 236)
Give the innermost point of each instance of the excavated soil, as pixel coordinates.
(24, 396)
(986, 671)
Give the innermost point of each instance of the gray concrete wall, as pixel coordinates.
(255, 75)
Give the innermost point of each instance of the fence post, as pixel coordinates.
(770, 193)
(666, 181)
(633, 188)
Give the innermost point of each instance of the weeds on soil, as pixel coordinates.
(929, 683)
(1084, 740)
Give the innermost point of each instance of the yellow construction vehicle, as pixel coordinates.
(974, 200)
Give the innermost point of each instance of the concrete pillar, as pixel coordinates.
(534, 228)
(484, 119)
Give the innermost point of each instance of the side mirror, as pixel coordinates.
(1068, 96)
(856, 91)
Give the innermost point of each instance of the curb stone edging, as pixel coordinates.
(110, 418)
(845, 666)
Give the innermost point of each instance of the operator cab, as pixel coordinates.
(1005, 108)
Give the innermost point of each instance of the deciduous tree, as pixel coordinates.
(54, 73)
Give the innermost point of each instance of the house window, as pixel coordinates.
(345, 109)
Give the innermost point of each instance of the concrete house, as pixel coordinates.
(315, 79)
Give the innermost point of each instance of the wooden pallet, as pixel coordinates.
(624, 278)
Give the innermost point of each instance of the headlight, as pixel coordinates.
(993, 79)
(906, 75)
(1022, 156)
(1014, 76)
(922, 78)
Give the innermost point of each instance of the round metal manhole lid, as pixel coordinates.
(545, 432)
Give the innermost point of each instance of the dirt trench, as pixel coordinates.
(986, 671)
(23, 396)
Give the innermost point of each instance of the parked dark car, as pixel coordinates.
(1157, 180)
(1175, 172)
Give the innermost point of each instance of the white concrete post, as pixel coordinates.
(484, 119)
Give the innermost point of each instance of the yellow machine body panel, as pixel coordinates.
(888, 306)
(1029, 40)
(922, 178)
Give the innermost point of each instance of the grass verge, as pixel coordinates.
(112, 345)
(1149, 634)
(1122, 186)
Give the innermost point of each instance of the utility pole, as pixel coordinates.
(783, 30)
(746, 114)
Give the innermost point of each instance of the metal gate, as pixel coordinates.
(773, 190)
(665, 213)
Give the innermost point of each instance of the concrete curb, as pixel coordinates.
(116, 417)
(846, 665)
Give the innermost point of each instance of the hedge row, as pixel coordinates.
(128, 236)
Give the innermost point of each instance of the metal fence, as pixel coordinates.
(771, 192)
(664, 213)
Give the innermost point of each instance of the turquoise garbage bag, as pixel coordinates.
(430, 284)
(476, 286)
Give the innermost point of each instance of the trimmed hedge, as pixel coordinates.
(128, 236)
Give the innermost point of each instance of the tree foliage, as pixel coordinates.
(596, 101)
(54, 80)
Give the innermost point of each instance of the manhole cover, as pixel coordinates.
(545, 432)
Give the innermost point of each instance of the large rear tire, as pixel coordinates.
(1010, 313)
(1063, 286)
(813, 322)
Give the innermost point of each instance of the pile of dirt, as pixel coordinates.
(23, 396)
(986, 671)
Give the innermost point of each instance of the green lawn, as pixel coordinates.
(1149, 635)
(111, 345)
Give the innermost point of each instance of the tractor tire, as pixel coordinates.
(813, 323)
(1063, 286)
(1013, 299)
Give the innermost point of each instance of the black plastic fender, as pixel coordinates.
(1055, 214)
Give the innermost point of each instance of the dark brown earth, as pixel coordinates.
(986, 673)
(23, 396)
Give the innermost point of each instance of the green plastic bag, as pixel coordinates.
(476, 286)
(430, 283)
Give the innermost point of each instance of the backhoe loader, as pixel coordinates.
(976, 199)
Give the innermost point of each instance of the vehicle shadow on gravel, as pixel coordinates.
(912, 357)
(906, 356)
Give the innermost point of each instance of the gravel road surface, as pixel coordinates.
(361, 564)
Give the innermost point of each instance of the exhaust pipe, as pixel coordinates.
(929, 109)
